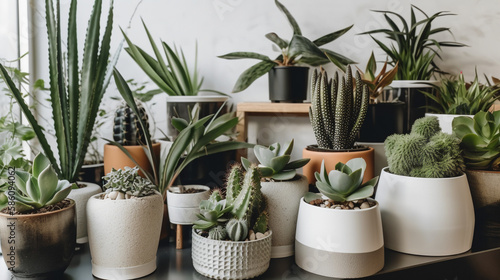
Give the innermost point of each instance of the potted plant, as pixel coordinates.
(231, 239)
(38, 223)
(425, 165)
(415, 49)
(124, 225)
(283, 188)
(455, 97)
(339, 233)
(338, 109)
(75, 96)
(287, 80)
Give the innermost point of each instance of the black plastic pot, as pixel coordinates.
(92, 173)
(382, 120)
(288, 84)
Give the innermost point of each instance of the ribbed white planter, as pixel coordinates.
(231, 259)
(426, 216)
(124, 236)
(446, 120)
(81, 196)
(183, 207)
(283, 200)
(339, 243)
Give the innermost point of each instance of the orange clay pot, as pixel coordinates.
(116, 158)
(332, 158)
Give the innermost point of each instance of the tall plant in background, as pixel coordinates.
(75, 93)
(412, 47)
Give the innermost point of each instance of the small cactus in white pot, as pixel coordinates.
(130, 204)
(283, 188)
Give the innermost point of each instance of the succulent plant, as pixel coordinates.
(217, 233)
(128, 181)
(344, 183)
(213, 212)
(425, 152)
(126, 129)
(237, 229)
(275, 161)
(37, 189)
(338, 109)
(480, 139)
(376, 84)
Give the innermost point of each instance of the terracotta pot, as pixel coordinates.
(484, 187)
(43, 244)
(332, 158)
(81, 196)
(116, 158)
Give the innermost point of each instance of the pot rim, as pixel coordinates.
(234, 242)
(361, 148)
(377, 205)
(412, 84)
(290, 66)
(72, 205)
(385, 170)
(96, 197)
(193, 186)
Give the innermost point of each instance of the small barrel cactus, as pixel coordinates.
(217, 233)
(338, 109)
(237, 229)
(126, 129)
(127, 182)
(425, 152)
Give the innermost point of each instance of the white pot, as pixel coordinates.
(426, 216)
(81, 196)
(339, 243)
(124, 235)
(183, 207)
(283, 199)
(379, 157)
(446, 120)
(220, 259)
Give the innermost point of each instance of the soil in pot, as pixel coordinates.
(346, 205)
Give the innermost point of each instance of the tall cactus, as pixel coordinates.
(126, 129)
(338, 109)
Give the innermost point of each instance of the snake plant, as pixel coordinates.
(413, 47)
(338, 109)
(298, 50)
(75, 93)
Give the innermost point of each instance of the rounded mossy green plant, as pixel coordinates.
(425, 152)
(128, 181)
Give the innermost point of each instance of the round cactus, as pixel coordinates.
(217, 233)
(237, 229)
(126, 129)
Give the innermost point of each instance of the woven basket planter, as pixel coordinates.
(230, 259)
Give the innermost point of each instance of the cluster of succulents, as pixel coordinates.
(127, 128)
(480, 139)
(425, 152)
(338, 109)
(274, 161)
(128, 182)
(242, 211)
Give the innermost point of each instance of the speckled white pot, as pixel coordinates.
(183, 207)
(81, 196)
(220, 259)
(283, 200)
(339, 243)
(124, 236)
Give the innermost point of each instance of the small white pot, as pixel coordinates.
(183, 207)
(339, 243)
(124, 235)
(426, 216)
(220, 259)
(446, 120)
(283, 200)
(81, 196)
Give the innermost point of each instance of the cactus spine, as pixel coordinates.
(126, 130)
(338, 109)
(233, 184)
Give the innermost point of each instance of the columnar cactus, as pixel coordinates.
(338, 109)
(126, 129)
(425, 152)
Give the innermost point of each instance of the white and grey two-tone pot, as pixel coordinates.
(183, 207)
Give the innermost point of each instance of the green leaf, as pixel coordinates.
(179, 123)
(309, 196)
(277, 40)
(278, 163)
(291, 20)
(47, 184)
(331, 36)
(240, 55)
(40, 163)
(284, 175)
(296, 164)
(245, 163)
(265, 171)
(301, 46)
(252, 74)
(363, 192)
(340, 182)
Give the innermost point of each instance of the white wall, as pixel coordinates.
(222, 26)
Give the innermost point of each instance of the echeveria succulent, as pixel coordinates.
(128, 181)
(345, 182)
(274, 161)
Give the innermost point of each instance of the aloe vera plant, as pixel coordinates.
(75, 93)
(37, 189)
(298, 50)
(413, 47)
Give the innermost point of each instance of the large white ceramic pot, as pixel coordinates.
(446, 120)
(339, 243)
(183, 207)
(124, 235)
(81, 196)
(426, 216)
(283, 199)
(219, 259)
